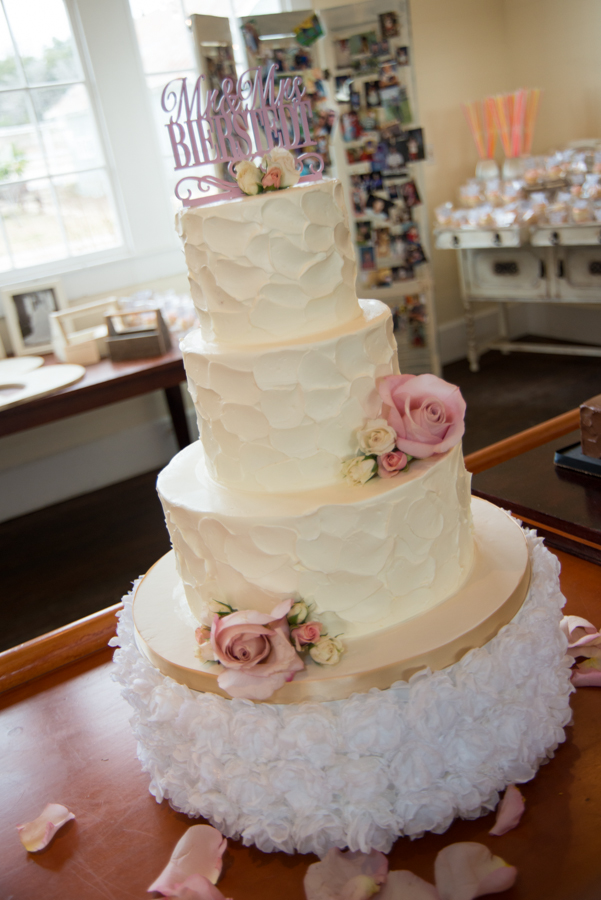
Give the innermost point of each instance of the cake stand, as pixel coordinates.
(417, 724)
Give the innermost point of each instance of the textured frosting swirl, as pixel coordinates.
(283, 418)
(373, 556)
(272, 267)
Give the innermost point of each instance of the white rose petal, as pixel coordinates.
(285, 162)
(377, 437)
(248, 177)
(327, 651)
(359, 470)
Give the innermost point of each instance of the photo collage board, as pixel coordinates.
(381, 144)
(294, 54)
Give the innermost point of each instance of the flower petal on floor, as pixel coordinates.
(37, 834)
(467, 870)
(198, 852)
(509, 811)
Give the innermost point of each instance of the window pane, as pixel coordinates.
(68, 128)
(155, 84)
(20, 151)
(5, 263)
(10, 75)
(31, 223)
(163, 37)
(87, 212)
(43, 36)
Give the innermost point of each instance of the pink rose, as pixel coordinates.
(255, 650)
(390, 464)
(272, 178)
(309, 633)
(202, 634)
(426, 412)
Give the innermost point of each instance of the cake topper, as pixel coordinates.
(248, 119)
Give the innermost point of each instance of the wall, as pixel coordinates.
(555, 45)
(460, 55)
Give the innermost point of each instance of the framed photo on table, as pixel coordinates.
(27, 308)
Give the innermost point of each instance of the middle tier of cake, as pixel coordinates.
(367, 557)
(283, 418)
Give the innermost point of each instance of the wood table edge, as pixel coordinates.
(58, 648)
(522, 442)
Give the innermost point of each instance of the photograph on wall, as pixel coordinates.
(415, 145)
(382, 243)
(402, 273)
(361, 44)
(388, 74)
(355, 101)
(351, 127)
(409, 193)
(367, 258)
(308, 31)
(343, 88)
(363, 233)
(378, 207)
(402, 56)
(369, 119)
(342, 54)
(380, 48)
(389, 25)
(372, 94)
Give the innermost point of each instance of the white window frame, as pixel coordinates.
(106, 42)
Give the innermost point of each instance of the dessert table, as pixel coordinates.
(65, 737)
(104, 383)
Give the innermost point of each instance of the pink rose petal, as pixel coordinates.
(346, 876)
(580, 633)
(467, 870)
(197, 887)
(586, 675)
(37, 834)
(405, 885)
(509, 811)
(198, 852)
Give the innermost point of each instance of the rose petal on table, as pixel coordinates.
(404, 885)
(198, 852)
(578, 631)
(509, 811)
(586, 674)
(466, 870)
(37, 834)
(197, 887)
(346, 876)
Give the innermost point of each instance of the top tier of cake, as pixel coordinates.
(272, 267)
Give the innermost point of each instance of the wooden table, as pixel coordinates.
(106, 382)
(65, 737)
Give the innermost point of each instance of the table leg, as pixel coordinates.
(175, 402)
(472, 347)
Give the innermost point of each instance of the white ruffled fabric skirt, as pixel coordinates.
(360, 772)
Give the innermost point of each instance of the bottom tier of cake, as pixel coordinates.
(361, 771)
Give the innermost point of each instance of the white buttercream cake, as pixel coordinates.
(283, 373)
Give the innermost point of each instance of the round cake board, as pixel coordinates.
(494, 592)
(25, 382)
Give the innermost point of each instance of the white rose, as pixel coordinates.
(284, 161)
(327, 651)
(298, 613)
(248, 177)
(377, 437)
(359, 470)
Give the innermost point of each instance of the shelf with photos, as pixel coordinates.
(380, 144)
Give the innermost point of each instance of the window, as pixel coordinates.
(56, 199)
(167, 53)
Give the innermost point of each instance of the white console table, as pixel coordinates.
(543, 264)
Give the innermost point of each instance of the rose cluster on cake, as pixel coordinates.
(277, 170)
(259, 652)
(422, 416)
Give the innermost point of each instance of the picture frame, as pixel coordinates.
(27, 309)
